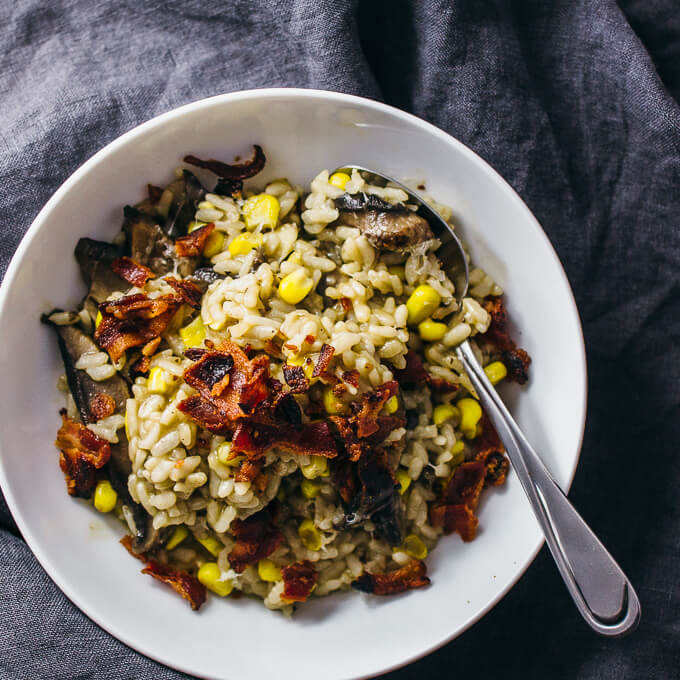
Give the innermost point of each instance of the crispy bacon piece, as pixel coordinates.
(188, 586)
(126, 542)
(151, 346)
(192, 244)
(255, 439)
(102, 406)
(256, 538)
(351, 377)
(248, 471)
(441, 385)
(367, 418)
(235, 171)
(455, 509)
(195, 353)
(490, 451)
(516, 360)
(134, 273)
(323, 361)
(343, 475)
(132, 321)
(411, 575)
(82, 452)
(187, 290)
(346, 303)
(299, 580)
(458, 518)
(206, 414)
(348, 437)
(141, 366)
(295, 378)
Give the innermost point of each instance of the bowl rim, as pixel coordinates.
(282, 93)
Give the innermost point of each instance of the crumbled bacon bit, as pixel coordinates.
(346, 303)
(141, 366)
(151, 346)
(441, 385)
(235, 171)
(192, 244)
(325, 356)
(309, 339)
(187, 290)
(299, 580)
(206, 414)
(256, 538)
(353, 447)
(82, 452)
(195, 353)
(367, 418)
(188, 586)
(454, 511)
(102, 406)
(351, 377)
(134, 273)
(516, 360)
(311, 439)
(414, 373)
(339, 389)
(132, 321)
(292, 348)
(248, 471)
(295, 378)
(273, 347)
(410, 576)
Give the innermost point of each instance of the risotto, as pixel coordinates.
(261, 383)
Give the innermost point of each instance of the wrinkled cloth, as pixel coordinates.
(575, 103)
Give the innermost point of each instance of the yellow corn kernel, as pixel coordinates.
(309, 535)
(261, 210)
(214, 244)
(193, 334)
(156, 383)
(193, 225)
(104, 496)
(431, 331)
(268, 571)
(295, 259)
(444, 412)
(458, 453)
(470, 415)
(317, 468)
(296, 286)
(178, 535)
(421, 303)
(310, 489)
(98, 319)
(403, 479)
(391, 405)
(398, 270)
(209, 576)
(211, 544)
(414, 547)
(339, 179)
(244, 243)
(331, 403)
(495, 372)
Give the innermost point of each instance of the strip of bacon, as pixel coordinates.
(206, 414)
(82, 452)
(187, 290)
(299, 580)
(322, 363)
(102, 406)
(132, 321)
(134, 273)
(188, 586)
(255, 439)
(192, 244)
(517, 361)
(256, 538)
(454, 511)
(411, 575)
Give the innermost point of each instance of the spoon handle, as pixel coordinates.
(602, 593)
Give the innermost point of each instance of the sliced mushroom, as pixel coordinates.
(188, 192)
(387, 226)
(73, 343)
(94, 259)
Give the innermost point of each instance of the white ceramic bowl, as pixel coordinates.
(342, 636)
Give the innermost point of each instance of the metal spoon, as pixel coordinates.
(601, 591)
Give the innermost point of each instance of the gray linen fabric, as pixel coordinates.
(574, 102)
